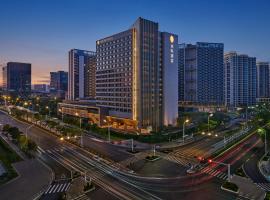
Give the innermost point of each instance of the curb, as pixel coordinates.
(39, 194)
(228, 190)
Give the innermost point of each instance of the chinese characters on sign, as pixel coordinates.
(171, 48)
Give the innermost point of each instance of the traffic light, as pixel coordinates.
(210, 160)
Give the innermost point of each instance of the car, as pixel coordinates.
(97, 158)
(191, 171)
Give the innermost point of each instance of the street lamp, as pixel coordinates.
(77, 114)
(225, 164)
(186, 121)
(262, 131)
(208, 119)
(27, 129)
(61, 111)
(109, 132)
(47, 107)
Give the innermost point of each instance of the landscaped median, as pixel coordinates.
(152, 158)
(7, 158)
(234, 144)
(240, 172)
(230, 187)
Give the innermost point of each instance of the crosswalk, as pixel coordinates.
(133, 159)
(178, 160)
(214, 172)
(58, 149)
(264, 186)
(57, 188)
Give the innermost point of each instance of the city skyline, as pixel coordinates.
(51, 53)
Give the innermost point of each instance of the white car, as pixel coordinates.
(191, 171)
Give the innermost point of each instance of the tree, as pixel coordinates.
(31, 145)
(14, 132)
(23, 143)
(6, 127)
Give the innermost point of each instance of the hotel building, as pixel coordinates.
(136, 76)
(81, 74)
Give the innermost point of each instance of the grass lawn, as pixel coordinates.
(7, 157)
(267, 197)
(240, 172)
(230, 186)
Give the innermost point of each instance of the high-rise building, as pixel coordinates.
(263, 82)
(201, 73)
(81, 75)
(17, 77)
(59, 81)
(136, 75)
(240, 80)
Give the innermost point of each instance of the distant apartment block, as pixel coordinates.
(17, 77)
(240, 80)
(201, 74)
(263, 82)
(40, 87)
(136, 76)
(81, 74)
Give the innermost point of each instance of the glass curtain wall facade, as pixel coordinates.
(201, 73)
(81, 74)
(240, 80)
(263, 83)
(17, 77)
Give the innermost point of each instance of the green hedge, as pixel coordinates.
(7, 157)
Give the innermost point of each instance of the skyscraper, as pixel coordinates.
(240, 80)
(263, 82)
(59, 81)
(136, 75)
(17, 77)
(81, 74)
(201, 73)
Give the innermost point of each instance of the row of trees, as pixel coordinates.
(26, 145)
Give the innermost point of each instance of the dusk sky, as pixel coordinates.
(42, 32)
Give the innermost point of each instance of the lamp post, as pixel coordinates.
(208, 120)
(61, 110)
(109, 132)
(77, 114)
(183, 137)
(261, 130)
(47, 107)
(225, 164)
(265, 143)
(27, 129)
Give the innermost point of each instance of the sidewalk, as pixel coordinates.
(264, 167)
(29, 171)
(247, 188)
(33, 177)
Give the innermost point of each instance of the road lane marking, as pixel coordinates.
(59, 189)
(57, 185)
(48, 189)
(52, 188)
